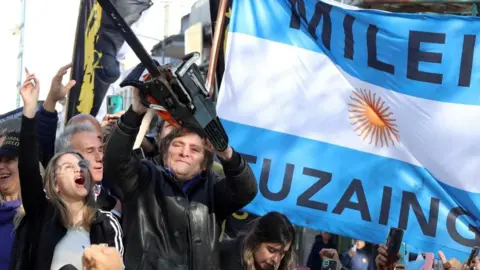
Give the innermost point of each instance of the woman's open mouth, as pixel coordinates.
(80, 181)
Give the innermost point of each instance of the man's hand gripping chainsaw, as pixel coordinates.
(179, 96)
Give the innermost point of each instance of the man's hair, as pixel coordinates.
(80, 118)
(180, 132)
(64, 141)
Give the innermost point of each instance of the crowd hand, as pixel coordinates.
(474, 265)
(97, 257)
(381, 259)
(58, 91)
(225, 155)
(111, 119)
(352, 252)
(452, 264)
(137, 105)
(29, 91)
(329, 253)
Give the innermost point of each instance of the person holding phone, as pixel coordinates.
(357, 257)
(381, 261)
(331, 260)
(322, 241)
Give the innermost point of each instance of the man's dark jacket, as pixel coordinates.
(165, 227)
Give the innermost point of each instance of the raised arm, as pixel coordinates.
(239, 186)
(31, 184)
(47, 116)
(124, 171)
(46, 128)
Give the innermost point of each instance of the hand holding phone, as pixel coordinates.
(473, 254)
(394, 241)
(330, 264)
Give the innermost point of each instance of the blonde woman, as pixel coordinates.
(60, 218)
(267, 245)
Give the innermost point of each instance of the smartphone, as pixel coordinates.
(473, 254)
(403, 253)
(394, 241)
(114, 104)
(329, 264)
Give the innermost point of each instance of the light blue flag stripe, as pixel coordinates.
(270, 19)
(381, 180)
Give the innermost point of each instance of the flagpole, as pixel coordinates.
(21, 50)
(67, 106)
(217, 34)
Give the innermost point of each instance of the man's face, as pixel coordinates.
(91, 148)
(185, 156)
(326, 236)
(360, 244)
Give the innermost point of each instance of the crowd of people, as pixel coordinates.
(85, 200)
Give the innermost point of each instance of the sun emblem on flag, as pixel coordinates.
(372, 118)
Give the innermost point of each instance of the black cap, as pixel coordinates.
(10, 146)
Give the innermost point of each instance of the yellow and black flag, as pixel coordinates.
(214, 7)
(95, 64)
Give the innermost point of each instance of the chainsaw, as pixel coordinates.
(177, 92)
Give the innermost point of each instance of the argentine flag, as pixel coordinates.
(355, 121)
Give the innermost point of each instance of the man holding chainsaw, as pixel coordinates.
(172, 213)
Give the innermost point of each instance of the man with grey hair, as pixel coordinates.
(76, 136)
(82, 137)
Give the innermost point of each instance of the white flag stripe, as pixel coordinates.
(434, 135)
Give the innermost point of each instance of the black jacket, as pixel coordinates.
(41, 229)
(166, 228)
(231, 254)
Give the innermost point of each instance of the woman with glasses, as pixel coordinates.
(60, 218)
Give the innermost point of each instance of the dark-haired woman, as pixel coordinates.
(268, 244)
